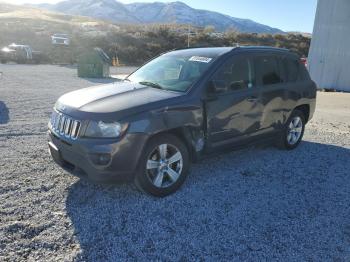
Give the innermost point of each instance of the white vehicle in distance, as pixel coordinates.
(60, 39)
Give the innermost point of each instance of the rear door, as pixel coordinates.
(270, 80)
(298, 86)
(236, 110)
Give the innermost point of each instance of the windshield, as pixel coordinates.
(172, 72)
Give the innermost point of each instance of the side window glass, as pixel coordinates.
(236, 74)
(268, 71)
(292, 69)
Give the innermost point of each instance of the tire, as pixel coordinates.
(293, 131)
(157, 174)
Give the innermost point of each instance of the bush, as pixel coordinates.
(135, 45)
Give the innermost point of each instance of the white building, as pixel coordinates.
(329, 57)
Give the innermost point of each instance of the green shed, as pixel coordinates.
(94, 64)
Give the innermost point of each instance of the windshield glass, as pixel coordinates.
(172, 72)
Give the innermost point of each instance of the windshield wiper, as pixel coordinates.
(151, 84)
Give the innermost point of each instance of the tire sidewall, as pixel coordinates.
(141, 179)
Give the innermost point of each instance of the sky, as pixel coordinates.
(288, 15)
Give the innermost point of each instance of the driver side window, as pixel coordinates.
(236, 74)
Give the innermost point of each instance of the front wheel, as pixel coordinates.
(293, 132)
(163, 167)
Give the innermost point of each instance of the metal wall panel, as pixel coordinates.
(329, 57)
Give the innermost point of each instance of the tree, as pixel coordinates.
(209, 29)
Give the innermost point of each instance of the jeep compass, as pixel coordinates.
(178, 107)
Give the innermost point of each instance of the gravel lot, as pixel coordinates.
(257, 204)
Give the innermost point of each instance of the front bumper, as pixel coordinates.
(81, 157)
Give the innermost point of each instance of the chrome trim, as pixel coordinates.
(64, 125)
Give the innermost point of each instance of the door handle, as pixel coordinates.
(252, 99)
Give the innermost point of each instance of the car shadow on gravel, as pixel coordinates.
(252, 204)
(4, 113)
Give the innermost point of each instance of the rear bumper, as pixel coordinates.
(312, 109)
(82, 157)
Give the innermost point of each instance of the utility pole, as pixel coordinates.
(188, 36)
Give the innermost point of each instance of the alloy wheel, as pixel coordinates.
(164, 165)
(295, 130)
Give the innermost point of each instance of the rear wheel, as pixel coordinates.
(293, 131)
(164, 166)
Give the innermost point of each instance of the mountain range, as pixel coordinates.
(157, 12)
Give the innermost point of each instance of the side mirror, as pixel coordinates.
(217, 87)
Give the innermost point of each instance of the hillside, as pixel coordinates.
(150, 13)
(134, 44)
(102, 9)
(8, 11)
(22, 24)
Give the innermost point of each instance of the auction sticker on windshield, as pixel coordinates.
(200, 59)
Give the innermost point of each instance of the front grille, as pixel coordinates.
(64, 125)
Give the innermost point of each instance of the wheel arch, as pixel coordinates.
(305, 109)
(188, 135)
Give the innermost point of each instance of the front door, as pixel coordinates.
(235, 109)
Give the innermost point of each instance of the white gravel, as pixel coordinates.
(257, 204)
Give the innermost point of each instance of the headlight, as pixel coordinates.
(105, 130)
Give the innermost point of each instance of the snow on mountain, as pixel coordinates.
(174, 12)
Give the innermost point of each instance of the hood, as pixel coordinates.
(117, 99)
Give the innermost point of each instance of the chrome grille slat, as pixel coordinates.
(75, 129)
(59, 119)
(64, 125)
(63, 120)
(67, 127)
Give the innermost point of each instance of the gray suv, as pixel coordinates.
(178, 107)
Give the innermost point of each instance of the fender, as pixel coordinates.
(185, 121)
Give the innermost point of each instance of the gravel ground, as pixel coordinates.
(257, 204)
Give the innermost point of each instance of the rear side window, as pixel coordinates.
(236, 74)
(267, 70)
(292, 69)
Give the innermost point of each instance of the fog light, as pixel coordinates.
(101, 159)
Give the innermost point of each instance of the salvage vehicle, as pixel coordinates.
(21, 54)
(16, 53)
(60, 39)
(177, 108)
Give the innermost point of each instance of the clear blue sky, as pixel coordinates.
(288, 15)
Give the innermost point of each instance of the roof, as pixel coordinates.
(265, 48)
(16, 45)
(219, 51)
(60, 36)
